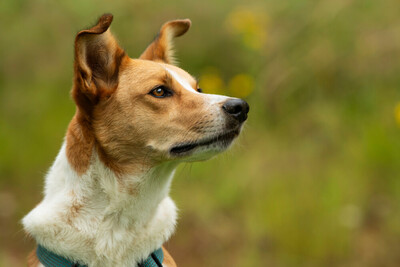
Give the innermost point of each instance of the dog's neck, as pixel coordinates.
(99, 220)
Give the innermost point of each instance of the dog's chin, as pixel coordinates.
(204, 148)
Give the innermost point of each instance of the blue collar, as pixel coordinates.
(50, 259)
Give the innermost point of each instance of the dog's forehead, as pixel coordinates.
(182, 77)
(140, 67)
(145, 69)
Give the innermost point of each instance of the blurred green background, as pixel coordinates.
(315, 178)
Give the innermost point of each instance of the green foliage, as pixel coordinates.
(313, 181)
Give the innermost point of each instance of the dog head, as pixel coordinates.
(146, 110)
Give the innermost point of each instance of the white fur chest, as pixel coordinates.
(91, 219)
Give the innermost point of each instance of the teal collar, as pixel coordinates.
(50, 259)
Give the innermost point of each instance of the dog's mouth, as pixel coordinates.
(223, 140)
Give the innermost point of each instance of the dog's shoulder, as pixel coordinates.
(168, 260)
(33, 260)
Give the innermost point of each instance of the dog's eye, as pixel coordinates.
(199, 90)
(160, 92)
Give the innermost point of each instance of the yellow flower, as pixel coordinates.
(397, 113)
(250, 25)
(241, 85)
(211, 82)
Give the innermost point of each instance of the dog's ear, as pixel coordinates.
(161, 49)
(97, 61)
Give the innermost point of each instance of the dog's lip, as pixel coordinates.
(185, 147)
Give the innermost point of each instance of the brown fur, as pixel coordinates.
(33, 260)
(80, 141)
(168, 260)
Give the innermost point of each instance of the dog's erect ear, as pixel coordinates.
(97, 62)
(161, 49)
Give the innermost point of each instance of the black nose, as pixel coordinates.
(237, 108)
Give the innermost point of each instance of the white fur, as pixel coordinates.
(111, 227)
(181, 81)
(211, 98)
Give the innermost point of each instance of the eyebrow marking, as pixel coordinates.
(181, 81)
(167, 77)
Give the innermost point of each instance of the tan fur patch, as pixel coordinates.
(33, 260)
(80, 142)
(168, 260)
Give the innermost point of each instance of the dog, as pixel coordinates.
(106, 197)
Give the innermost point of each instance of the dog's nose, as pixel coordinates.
(237, 108)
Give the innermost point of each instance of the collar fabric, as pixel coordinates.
(50, 259)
